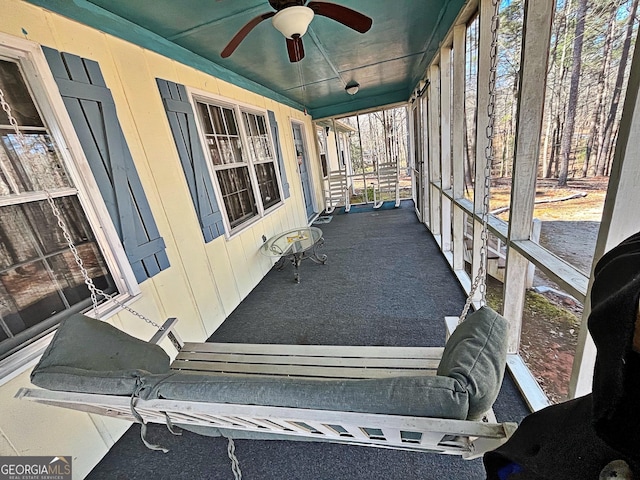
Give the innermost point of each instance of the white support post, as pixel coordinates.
(533, 74)
(426, 157)
(434, 151)
(619, 219)
(459, 61)
(445, 139)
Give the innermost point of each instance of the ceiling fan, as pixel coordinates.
(292, 18)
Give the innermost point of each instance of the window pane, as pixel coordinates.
(34, 293)
(37, 168)
(268, 184)
(237, 193)
(262, 125)
(231, 149)
(230, 118)
(39, 276)
(259, 145)
(206, 120)
(216, 120)
(216, 158)
(69, 277)
(18, 96)
(17, 240)
(250, 122)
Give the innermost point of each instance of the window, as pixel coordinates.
(242, 157)
(39, 279)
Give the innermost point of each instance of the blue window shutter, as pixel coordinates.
(183, 126)
(276, 141)
(93, 114)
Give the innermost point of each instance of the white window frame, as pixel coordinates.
(238, 108)
(51, 107)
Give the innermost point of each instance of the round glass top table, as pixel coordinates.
(296, 245)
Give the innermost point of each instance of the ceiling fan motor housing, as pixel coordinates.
(293, 21)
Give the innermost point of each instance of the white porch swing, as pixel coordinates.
(411, 398)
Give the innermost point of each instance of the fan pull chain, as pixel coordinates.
(301, 77)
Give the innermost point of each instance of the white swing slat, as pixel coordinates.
(460, 437)
(310, 361)
(280, 370)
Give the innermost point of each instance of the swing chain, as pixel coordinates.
(87, 279)
(93, 290)
(479, 283)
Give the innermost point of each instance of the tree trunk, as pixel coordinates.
(600, 85)
(469, 149)
(556, 90)
(617, 90)
(567, 136)
(614, 139)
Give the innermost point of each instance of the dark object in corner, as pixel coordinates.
(580, 438)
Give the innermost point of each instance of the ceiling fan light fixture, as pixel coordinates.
(352, 88)
(292, 21)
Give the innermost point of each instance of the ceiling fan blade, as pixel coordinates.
(244, 31)
(350, 18)
(295, 49)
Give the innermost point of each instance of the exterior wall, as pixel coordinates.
(205, 281)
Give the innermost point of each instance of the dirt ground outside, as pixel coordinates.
(552, 319)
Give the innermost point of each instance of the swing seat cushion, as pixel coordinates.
(421, 396)
(90, 356)
(469, 378)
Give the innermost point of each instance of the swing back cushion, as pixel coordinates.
(90, 356)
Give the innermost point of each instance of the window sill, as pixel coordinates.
(253, 221)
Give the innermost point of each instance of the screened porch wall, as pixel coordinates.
(441, 144)
(205, 281)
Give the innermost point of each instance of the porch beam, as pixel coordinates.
(619, 219)
(536, 37)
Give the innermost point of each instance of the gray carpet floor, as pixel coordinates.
(385, 283)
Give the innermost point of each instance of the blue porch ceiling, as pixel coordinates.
(387, 61)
